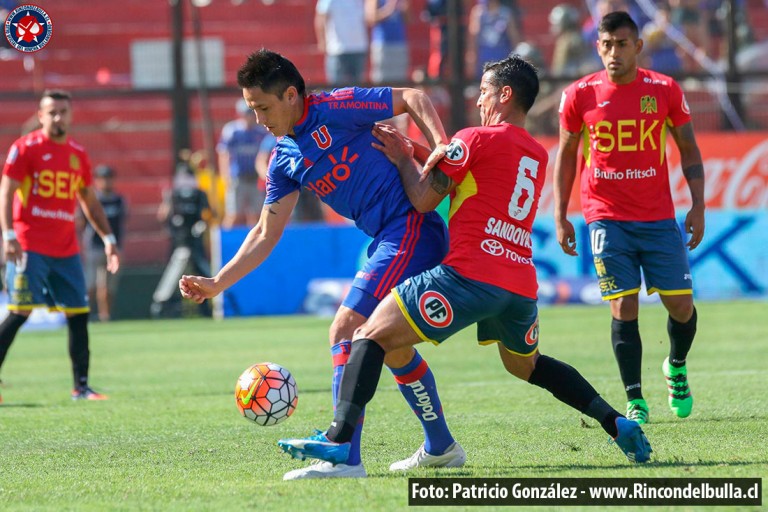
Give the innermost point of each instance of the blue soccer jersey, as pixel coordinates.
(359, 182)
(334, 158)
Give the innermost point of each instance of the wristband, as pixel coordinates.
(9, 235)
(110, 239)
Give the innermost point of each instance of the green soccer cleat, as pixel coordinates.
(637, 410)
(680, 396)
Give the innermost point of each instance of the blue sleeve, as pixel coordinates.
(225, 138)
(282, 162)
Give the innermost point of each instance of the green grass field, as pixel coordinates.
(171, 437)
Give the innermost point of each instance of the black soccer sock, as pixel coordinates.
(8, 330)
(358, 385)
(78, 347)
(571, 388)
(680, 339)
(628, 350)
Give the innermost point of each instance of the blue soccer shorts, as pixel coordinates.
(45, 281)
(406, 247)
(440, 302)
(622, 249)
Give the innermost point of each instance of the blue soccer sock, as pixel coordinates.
(417, 384)
(340, 355)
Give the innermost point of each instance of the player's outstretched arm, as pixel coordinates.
(563, 179)
(425, 195)
(693, 170)
(256, 247)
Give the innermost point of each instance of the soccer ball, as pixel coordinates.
(266, 393)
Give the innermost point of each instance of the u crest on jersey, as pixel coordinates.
(322, 137)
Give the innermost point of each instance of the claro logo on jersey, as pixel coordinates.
(457, 152)
(435, 309)
(340, 172)
(28, 28)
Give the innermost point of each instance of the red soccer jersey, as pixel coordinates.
(44, 207)
(500, 172)
(624, 175)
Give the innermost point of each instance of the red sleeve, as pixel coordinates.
(679, 112)
(459, 156)
(570, 118)
(17, 162)
(87, 174)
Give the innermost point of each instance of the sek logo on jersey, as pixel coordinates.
(28, 28)
(457, 152)
(435, 309)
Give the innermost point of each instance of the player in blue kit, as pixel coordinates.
(325, 146)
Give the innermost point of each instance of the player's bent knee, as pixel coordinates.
(398, 358)
(521, 366)
(344, 325)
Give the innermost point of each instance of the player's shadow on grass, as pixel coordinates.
(24, 406)
(546, 469)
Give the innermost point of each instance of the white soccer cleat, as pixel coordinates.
(322, 469)
(454, 457)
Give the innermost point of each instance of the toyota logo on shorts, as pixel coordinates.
(492, 247)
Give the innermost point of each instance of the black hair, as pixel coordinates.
(56, 94)
(270, 71)
(613, 21)
(518, 74)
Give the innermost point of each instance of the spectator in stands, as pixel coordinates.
(237, 148)
(100, 282)
(342, 36)
(493, 33)
(690, 20)
(661, 51)
(390, 60)
(571, 55)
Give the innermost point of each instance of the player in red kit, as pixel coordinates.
(45, 175)
(494, 175)
(620, 117)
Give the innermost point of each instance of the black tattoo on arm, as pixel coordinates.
(693, 172)
(271, 211)
(440, 181)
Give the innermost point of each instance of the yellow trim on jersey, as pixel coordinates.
(686, 291)
(663, 141)
(585, 147)
(464, 191)
(633, 291)
(23, 191)
(408, 318)
(485, 343)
